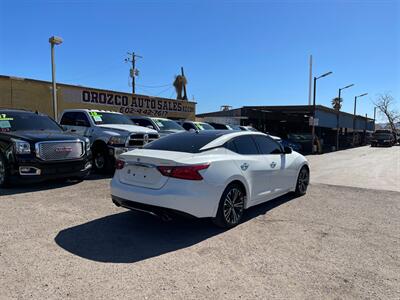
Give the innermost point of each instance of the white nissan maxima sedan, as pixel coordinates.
(215, 174)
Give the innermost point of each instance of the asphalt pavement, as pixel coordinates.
(67, 240)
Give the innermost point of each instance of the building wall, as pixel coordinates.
(37, 95)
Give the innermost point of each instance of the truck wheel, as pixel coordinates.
(3, 172)
(101, 161)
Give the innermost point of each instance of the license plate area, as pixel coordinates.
(141, 175)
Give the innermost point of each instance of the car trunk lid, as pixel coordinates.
(141, 167)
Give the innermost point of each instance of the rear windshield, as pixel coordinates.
(190, 142)
(16, 121)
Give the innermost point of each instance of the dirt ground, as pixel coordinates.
(69, 241)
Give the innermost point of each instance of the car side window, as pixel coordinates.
(68, 119)
(81, 119)
(143, 122)
(267, 145)
(245, 145)
(230, 145)
(188, 126)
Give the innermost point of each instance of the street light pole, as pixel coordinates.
(314, 109)
(338, 115)
(374, 117)
(354, 116)
(54, 40)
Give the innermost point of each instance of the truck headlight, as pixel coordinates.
(87, 144)
(21, 147)
(117, 140)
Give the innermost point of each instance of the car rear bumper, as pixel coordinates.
(151, 209)
(196, 198)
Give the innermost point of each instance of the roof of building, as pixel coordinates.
(237, 112)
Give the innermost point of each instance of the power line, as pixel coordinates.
(154, 86)
(163, 91)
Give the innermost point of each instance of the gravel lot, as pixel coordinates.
(70, 241)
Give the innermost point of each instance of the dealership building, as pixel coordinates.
(36, 95)
(284, 120)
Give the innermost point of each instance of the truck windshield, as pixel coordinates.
(101, 118)
(16, 121)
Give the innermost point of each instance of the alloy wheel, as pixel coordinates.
(233, 206)
(303, 181)
(99, 161)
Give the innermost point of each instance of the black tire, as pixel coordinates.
(231, 207)
(303, 180)
(101, 160)
(4, 181)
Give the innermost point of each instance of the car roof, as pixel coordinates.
(21, 111)
(92, 110)
(226, 135)
(139, 117)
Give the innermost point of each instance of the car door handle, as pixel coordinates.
(273, 164)
(244, 166)
(73, 130)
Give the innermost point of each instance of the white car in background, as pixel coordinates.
(215, 174)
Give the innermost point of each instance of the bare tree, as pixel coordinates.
(385, 103)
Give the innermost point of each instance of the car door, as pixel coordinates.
(76, 123)
(272, 152)
(256, 169)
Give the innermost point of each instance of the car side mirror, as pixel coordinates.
(287, 150)
(150, 126)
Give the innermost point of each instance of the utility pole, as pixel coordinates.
(184, 86)
(54, 40)
(338, 115)
(374, 117)
(133, 72)
(310, 82)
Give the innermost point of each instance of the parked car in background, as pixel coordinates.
(220, 126)
(383, 137)
(300, 142)
(292, 144)
(110, 134)
(162, 125)
(33, 147)
(244, 128)
(196, 126)
(215, 174)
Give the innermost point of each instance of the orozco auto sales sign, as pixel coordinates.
(128, 104)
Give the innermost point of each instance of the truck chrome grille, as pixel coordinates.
(60, 150)
(141, 139)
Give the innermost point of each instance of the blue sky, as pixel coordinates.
(234, 52)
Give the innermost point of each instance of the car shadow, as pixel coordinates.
(46, 185)
(130, 237)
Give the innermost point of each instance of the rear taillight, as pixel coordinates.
(119, 164)
(190, 172)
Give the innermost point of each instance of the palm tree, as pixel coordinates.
(337, 103)
(179, 84)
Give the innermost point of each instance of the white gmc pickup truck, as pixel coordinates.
(110, 134)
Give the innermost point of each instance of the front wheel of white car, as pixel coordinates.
(231, 207)
(303, 181)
